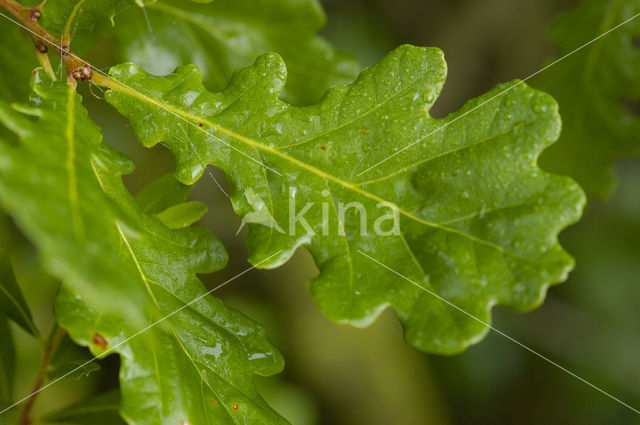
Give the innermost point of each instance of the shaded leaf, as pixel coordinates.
(162, 193)
(123, 270)
(596, 88)
(100, 410)
(477, 219)
(71, 361)
(7, 367)
(226, 35)
(74, 16)
(12, 303)
(17, 60)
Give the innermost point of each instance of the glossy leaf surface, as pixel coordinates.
(478, 218)
(124, 271)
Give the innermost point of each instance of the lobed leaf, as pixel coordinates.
(478, 220)
(598, 89)
(227, 35)
(123, 270)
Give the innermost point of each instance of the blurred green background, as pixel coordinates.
(340, 375)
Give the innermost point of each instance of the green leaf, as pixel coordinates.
(7, 366)
(597, 88)
(162, 193)
(227, 35)
(12, 303)
(100, 410)
(17, 60)
(74, 16)
(119, 264)
(166, 198)
(70, 361)
(478, 218)
(182, 215)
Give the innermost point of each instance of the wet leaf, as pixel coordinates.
(478, 220)
(123, 271)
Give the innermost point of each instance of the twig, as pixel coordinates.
(43, 41)
(50, 349)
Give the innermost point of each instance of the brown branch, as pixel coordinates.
(77, 68)
(50, 349)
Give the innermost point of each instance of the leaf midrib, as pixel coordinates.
(21, 310)
(147, 281)
(72, 17)
(70, 165)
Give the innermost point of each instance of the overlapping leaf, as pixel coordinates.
(100, 410)
(73, 16)
(123, 270)
(12, 307)
(598, 89)
(227, 35)
(478, 218)
(12, 303)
